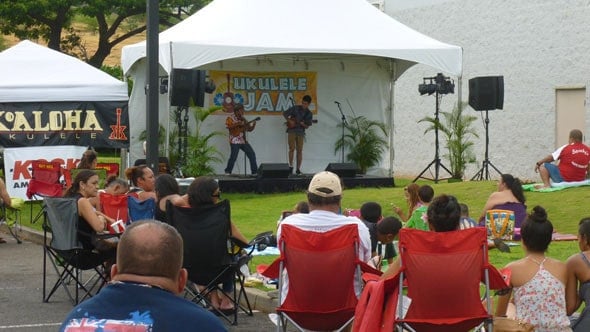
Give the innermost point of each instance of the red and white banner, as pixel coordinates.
(17, 164)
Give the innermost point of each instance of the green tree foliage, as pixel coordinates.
(363, 141)
(115, 22)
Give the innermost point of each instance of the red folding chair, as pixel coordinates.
(45, 182)
(444, 272)
(111, 168)
(322, 270)
(114, 206)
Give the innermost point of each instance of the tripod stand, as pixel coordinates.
(483, 173)
(436, 161)
(344, 123)
(182, 123)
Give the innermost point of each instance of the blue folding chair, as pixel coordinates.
(140, 210)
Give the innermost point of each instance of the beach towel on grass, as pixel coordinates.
(555, 186)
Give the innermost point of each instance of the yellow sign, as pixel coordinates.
(266, 93)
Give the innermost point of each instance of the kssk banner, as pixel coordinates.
(96, 124)
(17, 164)
(266, 93)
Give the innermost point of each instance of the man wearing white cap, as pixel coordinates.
(324, 195)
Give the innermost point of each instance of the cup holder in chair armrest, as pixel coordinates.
(262, 239)
(265, 238)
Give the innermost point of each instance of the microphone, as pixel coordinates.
(337, 103)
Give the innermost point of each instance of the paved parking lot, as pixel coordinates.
(22, 308)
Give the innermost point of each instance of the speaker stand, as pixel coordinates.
(436, 161)
(182, 123)
(484, 173)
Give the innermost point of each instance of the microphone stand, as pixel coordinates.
(344, 123)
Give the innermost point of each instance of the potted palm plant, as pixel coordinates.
(457, 129)
(364, 140)
(200, 154)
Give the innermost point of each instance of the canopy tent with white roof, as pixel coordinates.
(35, 73)
(53, 100)
(357, 51)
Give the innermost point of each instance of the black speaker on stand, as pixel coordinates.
(486, 93)
(273, 171)
(343, 170)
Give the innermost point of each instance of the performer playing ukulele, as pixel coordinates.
(299, 118)
(237, 126)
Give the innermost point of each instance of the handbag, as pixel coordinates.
(500, 224)
(104, 242)
(505, 324)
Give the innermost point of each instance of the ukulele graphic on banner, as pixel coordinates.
(228, 98)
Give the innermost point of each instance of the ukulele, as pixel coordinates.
(292, 122)
(235, 131)
(228, 98)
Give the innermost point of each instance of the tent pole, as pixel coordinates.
(152, 118)
(392, 78)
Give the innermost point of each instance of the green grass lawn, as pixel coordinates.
(255, 213)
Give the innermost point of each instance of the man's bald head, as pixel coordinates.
(150, 248)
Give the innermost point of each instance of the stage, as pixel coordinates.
(292, 183)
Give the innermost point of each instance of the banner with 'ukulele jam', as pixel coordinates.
(266, 93)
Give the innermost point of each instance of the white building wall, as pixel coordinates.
(537, 45)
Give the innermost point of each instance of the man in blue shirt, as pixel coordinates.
(143, 293)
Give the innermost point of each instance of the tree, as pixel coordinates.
(115, 21)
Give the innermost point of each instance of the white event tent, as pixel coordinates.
(356, 50)
(52, 107)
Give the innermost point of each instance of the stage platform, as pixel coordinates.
(293, 183)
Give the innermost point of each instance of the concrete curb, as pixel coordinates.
(259, 299)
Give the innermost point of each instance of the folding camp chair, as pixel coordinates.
(140, 210)
(110, 168)
(443, 272)
(45, 182)
(65, 253)
(209, 254)
(114, 206)
(322, 270)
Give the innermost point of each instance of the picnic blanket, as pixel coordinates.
(555, 186)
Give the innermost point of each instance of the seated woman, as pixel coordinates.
(142, 182)
(444, 215)
(508, 197)
(578, 279)
(84, 187)
(411, 194)
(167, 189)
(205, 191)
(538, 282)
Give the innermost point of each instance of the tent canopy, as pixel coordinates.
(230, 29)
(34, 73)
